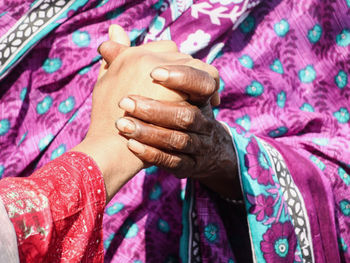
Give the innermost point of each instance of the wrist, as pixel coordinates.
(117, 164)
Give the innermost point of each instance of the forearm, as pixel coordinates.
(117, 164)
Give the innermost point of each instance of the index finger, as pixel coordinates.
(199, 85)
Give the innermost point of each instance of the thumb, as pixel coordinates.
(116, 34)
(109, 50)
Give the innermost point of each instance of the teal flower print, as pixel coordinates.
(81, 38)
(163, 226)
(84, 70)
(342, 115)
(67, 105)
(221, 85)
(246, 61)
(2, 14)
(318, 162)
(342, 245)
(135, 33)
(279, 243)
(280, 131)
(307, 75)
(115, 13)
(281, 99)
(102, 3)
(23, 94)
(137, 261)
(156, 192)
(158, 5)
(108, 241)
(2, 170)
(159, 23)
(320, 141)
(348, 3)
(230, 261)
(151, 170)
(43, 106)
(58, 151)
(211, 233)
(343, 175)
(22, 138)
(247, 25)
(244, 122)
(307, 107)
(282, 247)
(45, 141)
(277, 67)
(314, 34)
(281, 28)
(343, 39)
(114, 209)
(345, 207)
(129, 229)
(4, 126)
(51, 65)
(255, 89)
(341, 79)
(75, 114)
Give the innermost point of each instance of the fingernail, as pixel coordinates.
(113, 33)
(160, 74)
(125, 125)
(127, 105)
(135, 146)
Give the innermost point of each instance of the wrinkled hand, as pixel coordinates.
(128, 72)
(181, 137)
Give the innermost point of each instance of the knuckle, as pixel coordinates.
(208, 84)
(185, 117)
(180, 141)
(166, 160)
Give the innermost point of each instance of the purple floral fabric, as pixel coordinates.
(284, 68)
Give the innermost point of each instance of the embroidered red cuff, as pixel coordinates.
(57, 212)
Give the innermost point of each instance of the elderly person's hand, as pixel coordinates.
(182, 137)
(128, 73)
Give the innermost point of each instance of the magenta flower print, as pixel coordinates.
(279, 243)
(257, 163)
(262, 206)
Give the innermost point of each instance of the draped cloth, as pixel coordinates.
(284, 68)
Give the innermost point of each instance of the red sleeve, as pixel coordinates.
(57, 211)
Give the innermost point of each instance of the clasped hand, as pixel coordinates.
(164, 115)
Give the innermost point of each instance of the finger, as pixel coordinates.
(158, 137)
(173, 115)
(109, 50)
(199, 85)
(117, 34)
(215, 99)
(161, 46)
(153, 156)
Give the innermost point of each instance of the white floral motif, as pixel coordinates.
(226, 2)
(195, 41)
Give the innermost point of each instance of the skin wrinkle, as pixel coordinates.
(213, 159)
